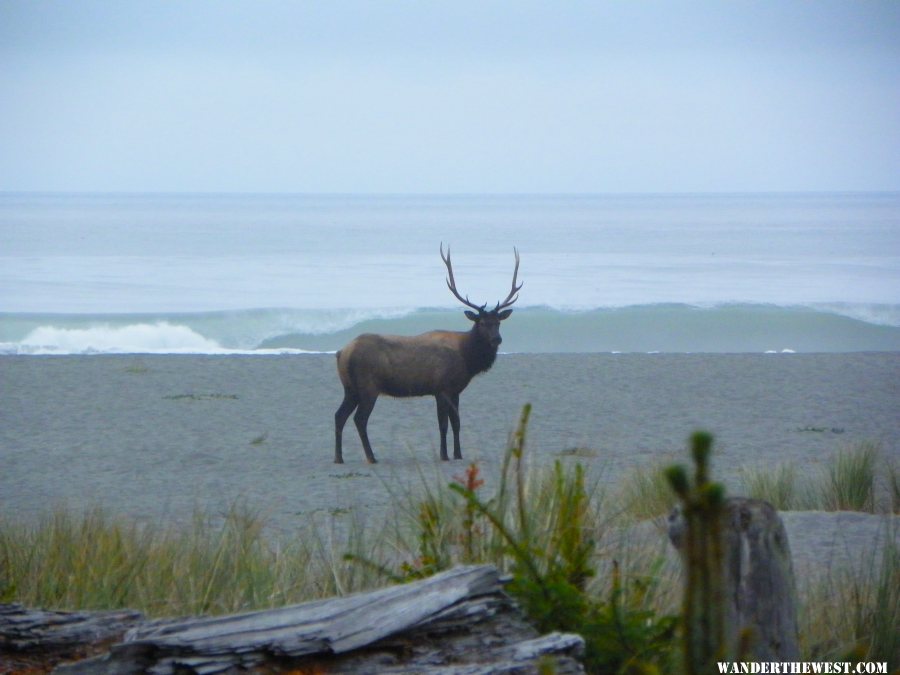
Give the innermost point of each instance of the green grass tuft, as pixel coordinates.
(777, 486)
(645, 492)
(848, 483)
(851, 479)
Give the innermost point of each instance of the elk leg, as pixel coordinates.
(454, 422)
(340, 419)
(443, 412)
(361, 419)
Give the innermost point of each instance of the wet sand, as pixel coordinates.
(156, 437)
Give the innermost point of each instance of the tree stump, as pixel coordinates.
(760, 594)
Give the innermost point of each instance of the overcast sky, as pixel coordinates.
(417, 96)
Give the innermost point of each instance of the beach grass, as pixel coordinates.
(851, 479)
(777, 485)
(96, 561)
(854, 614)
(893, 477)
(849, 482)
(556, 533)
(646, 493)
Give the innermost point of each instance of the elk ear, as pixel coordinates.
(471, 316)
(504, 314)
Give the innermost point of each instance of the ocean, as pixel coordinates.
(264, 274)
(132, 329)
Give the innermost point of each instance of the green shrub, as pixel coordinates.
(544, 530)
(704, 612)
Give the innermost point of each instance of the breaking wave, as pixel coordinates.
(682, 328)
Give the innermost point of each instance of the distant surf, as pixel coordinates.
(668, 328)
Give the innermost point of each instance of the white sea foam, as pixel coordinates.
(141, 338)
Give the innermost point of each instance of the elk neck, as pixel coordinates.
(478, 353)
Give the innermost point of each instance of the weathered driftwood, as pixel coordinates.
(459, 622)
(23, 630)
(33, 640)
(759, 579)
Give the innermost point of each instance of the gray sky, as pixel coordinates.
(415, 96)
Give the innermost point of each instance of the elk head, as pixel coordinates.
(487, 322)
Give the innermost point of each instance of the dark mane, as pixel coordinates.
(478, 353)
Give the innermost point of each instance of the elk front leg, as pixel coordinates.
(454, 423)
(443, 414)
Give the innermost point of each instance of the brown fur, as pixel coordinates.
(424, 365)
(439, 363)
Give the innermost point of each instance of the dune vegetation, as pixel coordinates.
(559, 536)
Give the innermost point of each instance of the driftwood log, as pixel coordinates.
(459, 622)
(33, 641)
(760, 595)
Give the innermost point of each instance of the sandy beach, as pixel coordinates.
(157, 437)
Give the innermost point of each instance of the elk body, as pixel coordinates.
(439, 363)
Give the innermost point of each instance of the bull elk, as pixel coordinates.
(439, 363)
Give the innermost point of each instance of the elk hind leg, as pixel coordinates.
(348, 405)
(361, 419)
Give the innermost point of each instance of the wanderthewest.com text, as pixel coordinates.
(790, 667)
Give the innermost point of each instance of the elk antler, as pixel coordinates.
(513, 293)
(451, 282)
